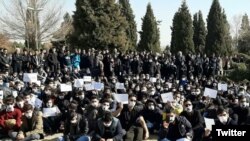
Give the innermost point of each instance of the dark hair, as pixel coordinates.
(19, 98)
(27, 107)
(107, 117)
(221, 109)
(9, 98)
(73, 106)
(169, 110)
(132, 95)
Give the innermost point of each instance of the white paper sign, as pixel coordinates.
(167, 97)
(38, 83)
(30, 77)
(209, 122)
(121, 98)
(65, 87)
(222, 87)
(119, 86)
(38, 103)
(49, 112)
(87, 79)
(169, 85)
(153, 79)
(1, 94)
(210, 93)
(183, 139)
(89, 87)
(98, 86)
(14, 93)
(78, 83)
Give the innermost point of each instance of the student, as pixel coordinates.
(32, 125)
(10, 118)
(175, 127)
(132, 121)
(76, 128)
(108, 129)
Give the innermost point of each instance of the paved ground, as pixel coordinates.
(55, 136)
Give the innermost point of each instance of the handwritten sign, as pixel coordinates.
(49, 112)
(78, 83)
(222, 87)
(87, 79)
(121, 98)
(210, 93)
(65, 87)
(209, 122)
(119, 86)
(167, 97)
(30, 77)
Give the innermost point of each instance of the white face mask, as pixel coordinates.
(131, 104)
(107, 124)
(49, 105)
(223, 119)
(61, 97)
(244, 104)
(10, 108)
(20, 104)
(171, 119)
(151, 107)
(105, 107)
(152, 93)
(189, 109)
(28, 115)
(73, 121)
(81, 96)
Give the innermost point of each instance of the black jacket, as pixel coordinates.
(183, 127)
(81, 128)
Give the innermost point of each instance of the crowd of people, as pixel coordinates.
(84, 115)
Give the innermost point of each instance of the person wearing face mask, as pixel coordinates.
(82, 100)
(243, 110)
(76, 128)
(153, 122)
(19, 103)
(223, 117)
(175, 127)
(105, 107)
(10, 118)
(32, 125)
(195, 118)
(132, 120)
(92, 112)
(108, 129)
(51, 123)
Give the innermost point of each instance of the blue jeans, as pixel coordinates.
(82, 138)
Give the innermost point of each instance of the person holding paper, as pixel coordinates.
(32, 125)
(175, 127)
(51, 123)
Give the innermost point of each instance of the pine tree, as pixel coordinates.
(244, 38)
(182, 31)
(131, 31)
(99, 24)
(227, 36)
(150, 34)
(217, 31)
(199, 32)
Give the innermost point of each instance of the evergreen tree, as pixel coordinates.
(244, 38)
(217, 29)
(99, 24)
(199, 32)
(182, 31)
(131, 31)
(227, 36)
(150, 34)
